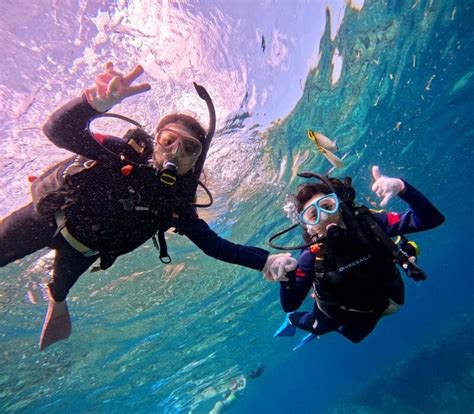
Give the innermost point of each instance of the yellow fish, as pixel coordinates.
(325, 146)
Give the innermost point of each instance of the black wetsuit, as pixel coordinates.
(353, 292)
(112, 213)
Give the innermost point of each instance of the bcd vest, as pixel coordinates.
(355, 274)
(108, 208)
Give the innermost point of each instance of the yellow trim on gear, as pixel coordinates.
(415, 246)
(377, 211)
(135, 146)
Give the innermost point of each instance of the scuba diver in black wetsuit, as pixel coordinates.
(116, 194)
(349, 259)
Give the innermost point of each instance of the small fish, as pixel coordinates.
(263, 44)
(31, 297)
(284, 161)
(297, 162)
(428, 85)
(323, 140)
(325, 146)
(342, 159)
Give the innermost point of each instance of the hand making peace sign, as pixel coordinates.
(112, 87)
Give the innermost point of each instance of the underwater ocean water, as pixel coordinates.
(392, 81)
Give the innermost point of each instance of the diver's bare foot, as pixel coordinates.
(57, 324)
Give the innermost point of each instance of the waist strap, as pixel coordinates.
(72, 241)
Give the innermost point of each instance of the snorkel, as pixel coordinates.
(203, 94)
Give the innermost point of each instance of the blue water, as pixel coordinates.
(152, 338)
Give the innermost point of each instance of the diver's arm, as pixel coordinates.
(293, 292)
(422, 215)
(67, 128)
(199, 232)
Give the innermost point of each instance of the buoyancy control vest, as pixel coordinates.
(60, 185)
(356, 273)
(114, 207)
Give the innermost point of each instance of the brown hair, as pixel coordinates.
(186, 121)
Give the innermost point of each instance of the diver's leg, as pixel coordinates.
(359, 327)
(315, 322)
(68, 266)
(23, 232)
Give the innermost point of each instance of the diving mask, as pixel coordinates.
(319, 209)
(177, 146)
(170, 140)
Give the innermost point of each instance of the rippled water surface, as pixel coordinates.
(392, 81)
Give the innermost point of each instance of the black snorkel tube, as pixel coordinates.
(203, 94)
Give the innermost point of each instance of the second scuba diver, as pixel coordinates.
(116, 194)
(348, 258)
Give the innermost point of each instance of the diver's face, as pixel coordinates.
(319, 213)
(175, 143)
